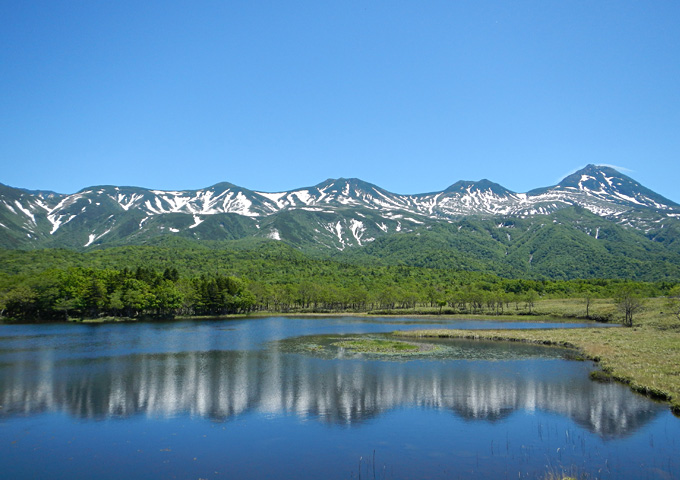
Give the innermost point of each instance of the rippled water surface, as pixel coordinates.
(252, 399)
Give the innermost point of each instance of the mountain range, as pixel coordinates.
(594, 218)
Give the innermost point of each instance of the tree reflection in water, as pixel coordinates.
(222, 384)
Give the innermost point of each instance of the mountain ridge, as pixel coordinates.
(343, 215)
(590, 168)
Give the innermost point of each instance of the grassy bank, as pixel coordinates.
(646, 357)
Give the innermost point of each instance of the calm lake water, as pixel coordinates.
(250, 399)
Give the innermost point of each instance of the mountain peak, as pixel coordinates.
(481, 185)
(344, 211)
(603, 180)
(342, 183)
(220, 186)
(589, 173)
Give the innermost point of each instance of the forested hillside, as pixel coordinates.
(341, 245)
(570, 243)
(182, 278)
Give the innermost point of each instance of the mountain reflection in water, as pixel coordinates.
(223, 384)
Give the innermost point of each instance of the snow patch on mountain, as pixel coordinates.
(337, 231)
(55, 221)
(165, 192)
(354, 204)
(304, 196)
(197, 221)
(584, 178)
(345, 200)
(274, 197)
(25, 211)
(357, 229)
(41, 204)
(177, 203)
(94, 237)
(628, 199)
(127, 201)
(389, 202)
(150, 209)
(9, 207)
(241, 205)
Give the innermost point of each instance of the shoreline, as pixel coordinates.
(505, 318)
(646, 357)
(624, 356)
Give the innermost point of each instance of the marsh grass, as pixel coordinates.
(645, 357)
(544, 310)
(375, 345)
(378, 346)
(387, 347)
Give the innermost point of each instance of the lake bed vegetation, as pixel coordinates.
(646, 357)
(383, 346)
(378, 346)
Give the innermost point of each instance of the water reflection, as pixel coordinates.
(224, 384)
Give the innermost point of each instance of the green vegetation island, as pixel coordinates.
(162, 282)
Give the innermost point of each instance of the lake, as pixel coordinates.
(276, 398)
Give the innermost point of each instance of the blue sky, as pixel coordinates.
(411, 96)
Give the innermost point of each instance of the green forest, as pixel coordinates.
(165, 281)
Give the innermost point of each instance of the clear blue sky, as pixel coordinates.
(271, 96)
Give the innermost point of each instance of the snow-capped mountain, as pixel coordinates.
(337, 213)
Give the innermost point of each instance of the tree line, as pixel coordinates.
(144, 292)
